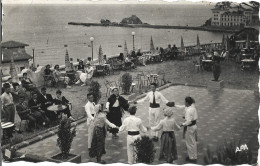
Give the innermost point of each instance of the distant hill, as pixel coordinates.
(131, 20)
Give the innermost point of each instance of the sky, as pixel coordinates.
(107, 1)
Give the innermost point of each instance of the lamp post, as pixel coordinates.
(133, 34)
(91, 40)
(33, 58)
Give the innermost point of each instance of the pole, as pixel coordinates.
(33, 58)
(92, 49)
(133, 42)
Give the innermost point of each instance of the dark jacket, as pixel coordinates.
(63, 101)
(44, 100)
(22, 110)
(123, 103)
(32, 105)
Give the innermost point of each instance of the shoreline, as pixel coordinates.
(199, 28)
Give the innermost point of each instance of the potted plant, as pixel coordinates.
(94, 88)
(126, 83)
(66, 134)
(145, 150)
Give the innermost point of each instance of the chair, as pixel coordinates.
(109, 86)
(47, 79)
(58, 83)
(26, 123)
(100, 70)
(162, 77)
(128, 66)
(197, 65)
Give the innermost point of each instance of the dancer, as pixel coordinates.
(191, 117)
(168, 149)
(154, 108)
(99, 134)
(91, 113)
(133, 125)
(116, 104)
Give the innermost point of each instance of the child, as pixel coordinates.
(168, 142)
(99, 134)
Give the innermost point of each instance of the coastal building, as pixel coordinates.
(233, 15)
(17, 50)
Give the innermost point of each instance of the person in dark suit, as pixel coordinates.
(62, 100)
(46, 100)
(35, 107)
(25, 113)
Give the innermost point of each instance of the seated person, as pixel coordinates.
(46, 100)
(86, 77)
(81, 66)
(35, 107)
(62, 100)
(18, 91)
(121, 57)
(47, 70)
(58, 76)
(89, 60)
(28, 84)
(25, 113)
(128, 62)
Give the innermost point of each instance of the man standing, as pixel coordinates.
(115, 104)
(154, 108)
(90, 110)
(46, 100)
(133, 125)
(191, 117)
(8, 108)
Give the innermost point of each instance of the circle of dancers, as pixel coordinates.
(108, 117)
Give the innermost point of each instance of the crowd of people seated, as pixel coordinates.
(33, 108)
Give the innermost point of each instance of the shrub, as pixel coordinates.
(65, 136)
(94, 88)
(127, 82)
(145, 150)
(229, 154)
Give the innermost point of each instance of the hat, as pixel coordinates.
(168, 112)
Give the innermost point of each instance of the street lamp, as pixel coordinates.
(92, 39)
(133, 34)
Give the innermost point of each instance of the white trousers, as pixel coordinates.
(191, 143)
(153, 119)
(90, 125)
(131, 154)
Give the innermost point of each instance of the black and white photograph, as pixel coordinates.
(128, 81)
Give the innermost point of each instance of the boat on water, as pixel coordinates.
(119, 45)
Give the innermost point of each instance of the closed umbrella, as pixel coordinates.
(198, 43)
(247, 42)
(125, 50)
(67, 62)
(13, 73)
(100, 55)
(182, 44)
(152, 49)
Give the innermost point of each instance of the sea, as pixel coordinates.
(45, 28)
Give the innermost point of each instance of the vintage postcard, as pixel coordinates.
(129, 81)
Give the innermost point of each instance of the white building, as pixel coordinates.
(233, 16)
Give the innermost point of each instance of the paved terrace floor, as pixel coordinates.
(227, 114)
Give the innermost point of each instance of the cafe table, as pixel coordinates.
(8, 128)
(247, 64)
(57, 108)
(207, 64)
